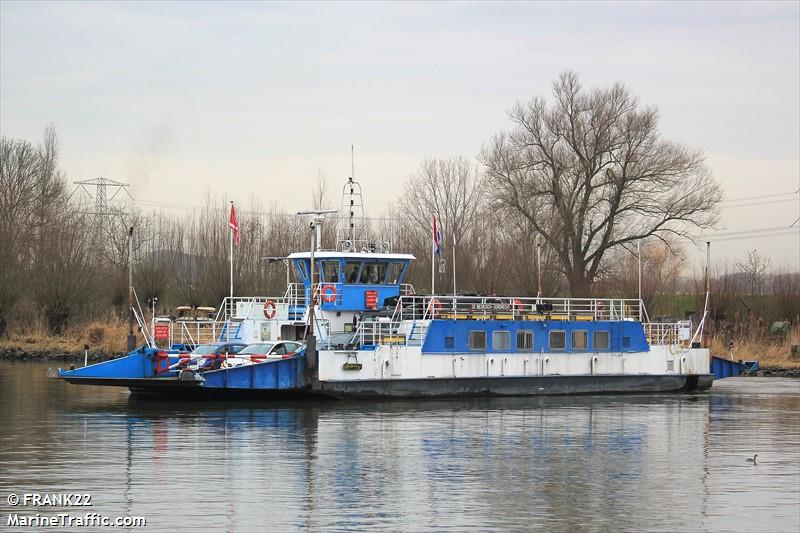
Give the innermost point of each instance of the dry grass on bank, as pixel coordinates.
(768, 353)
(102, 336)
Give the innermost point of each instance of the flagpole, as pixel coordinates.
(639, 258)
(231, 254)
(454, 264)
(433, 258)
(433, 276)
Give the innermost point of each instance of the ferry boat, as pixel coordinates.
(363, 332)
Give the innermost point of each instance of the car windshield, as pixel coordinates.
(205, 349)
(260, 348)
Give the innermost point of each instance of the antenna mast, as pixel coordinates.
(351, 212)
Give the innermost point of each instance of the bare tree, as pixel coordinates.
(754, 269)
(320, 192)
(32, 204)
(450, 189)
(591, 173)
(63, 280)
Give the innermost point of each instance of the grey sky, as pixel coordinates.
(188, 99)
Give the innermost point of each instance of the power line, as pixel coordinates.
(785, 233)
(727, 200)
(740, 232)
(786, 200)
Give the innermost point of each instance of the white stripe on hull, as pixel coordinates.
(408, 362)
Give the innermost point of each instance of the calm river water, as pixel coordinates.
(624, 463)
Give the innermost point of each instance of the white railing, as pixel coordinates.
(240, 308)
(517, 308)
(373, 332)
(194, 332)
(668, 333)
(295, 295)
(407, 289)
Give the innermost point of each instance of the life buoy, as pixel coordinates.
(518, 305)
(270, 309)
(328, 293)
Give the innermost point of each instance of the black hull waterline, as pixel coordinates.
(429, 388)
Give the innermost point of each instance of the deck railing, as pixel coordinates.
(668, 333)
(517, 308)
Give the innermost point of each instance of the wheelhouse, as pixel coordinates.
(352, 281)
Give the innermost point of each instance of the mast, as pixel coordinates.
(351, 212)
(539, 269)
(131, 336)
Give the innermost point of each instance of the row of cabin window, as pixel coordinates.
(372, 273)
(501, 340)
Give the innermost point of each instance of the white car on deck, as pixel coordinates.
(263, 351)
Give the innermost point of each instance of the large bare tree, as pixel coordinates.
(591, 173)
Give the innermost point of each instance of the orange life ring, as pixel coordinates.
(270, 309)
(328, 293)
(518, 305)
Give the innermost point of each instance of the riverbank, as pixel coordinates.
(775, 371)
(105, 339)
(15, 353)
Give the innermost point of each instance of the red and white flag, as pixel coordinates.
(234, 225)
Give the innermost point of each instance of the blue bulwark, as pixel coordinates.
(278, 374)
(453, 336)
(137, 365)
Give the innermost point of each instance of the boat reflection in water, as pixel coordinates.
(513, 463)
(658, 462)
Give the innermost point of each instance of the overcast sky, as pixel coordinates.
(183, 100)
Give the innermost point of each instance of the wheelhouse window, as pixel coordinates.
(395, 272)
(373, 273)
(301, 268)
(558, 340)
(501, 340)
(601, 340)
(351, 270)
(477, 340)
(580, 340)
(368, 274)
(524, 340)
(380, 272)
(330, 271)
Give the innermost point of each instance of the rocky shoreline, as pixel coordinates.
(20, 354)
(774, 371)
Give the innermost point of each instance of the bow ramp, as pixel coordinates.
(159, 371)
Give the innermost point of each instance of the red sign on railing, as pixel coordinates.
(161, 332)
